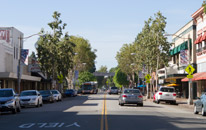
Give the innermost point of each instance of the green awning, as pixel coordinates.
(175, 50)
(171, 52)
(183, 46)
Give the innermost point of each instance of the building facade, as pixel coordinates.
(9, 56)
(183, 52)
(199, 18)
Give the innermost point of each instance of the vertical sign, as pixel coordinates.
(183, 58)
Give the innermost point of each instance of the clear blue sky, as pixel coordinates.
(107, 24)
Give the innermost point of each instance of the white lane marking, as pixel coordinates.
(48, 125)
(29, 125)
(74, 124)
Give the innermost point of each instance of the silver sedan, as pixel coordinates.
(131, 96)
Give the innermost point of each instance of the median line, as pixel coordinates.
(104, 122)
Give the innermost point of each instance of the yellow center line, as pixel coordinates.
(104, 123)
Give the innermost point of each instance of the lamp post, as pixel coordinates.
(19, 61)
(190, 99)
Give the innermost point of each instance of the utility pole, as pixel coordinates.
(19, 65)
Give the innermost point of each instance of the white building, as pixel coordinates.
(9, 56)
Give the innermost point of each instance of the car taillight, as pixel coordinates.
(160, 93)
(140, 96)
(124, 96)
(174, 94)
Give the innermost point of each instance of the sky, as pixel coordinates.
(107, 24)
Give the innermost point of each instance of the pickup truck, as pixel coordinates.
(165, 94)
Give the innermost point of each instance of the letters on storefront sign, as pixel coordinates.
(5, 35)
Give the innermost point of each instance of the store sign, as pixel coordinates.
(34, 68)
(172, 81)
(5, 35)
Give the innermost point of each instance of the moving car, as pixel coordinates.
(47, 96)
(70, 92)
(30, 98)
(131, 96)
(9, 101)
(57, 95)
(113, 90)
(200, 105)
(165, 94)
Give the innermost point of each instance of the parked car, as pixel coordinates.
(200, 105)
(113, 90)
(9, 101)
(79, 91)
(57, 95)
(70, 92)
(165, 94)
(131, 96)
(30, 98)
(47, 96)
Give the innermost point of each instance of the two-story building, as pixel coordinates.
(182, 53)
(9, 58)
(199, 18)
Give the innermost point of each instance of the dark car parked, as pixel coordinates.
(9, 101)
(47, 96)
(70, 92)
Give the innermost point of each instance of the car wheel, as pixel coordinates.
(37, 104)
(41, 104)
(121, 104)
(19, 109)
(158, 101)
(141, 104)
(203, 111)
(14, 111)
(195, 110)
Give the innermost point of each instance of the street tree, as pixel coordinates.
(86, 77)
(54, 49)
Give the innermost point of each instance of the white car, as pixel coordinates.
(57, 95)
(165, 94)
(30, 98)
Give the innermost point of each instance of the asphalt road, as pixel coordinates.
(102, 112)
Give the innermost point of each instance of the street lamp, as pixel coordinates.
(19, 62)
(190, 100)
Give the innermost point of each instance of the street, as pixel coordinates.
(102, 112)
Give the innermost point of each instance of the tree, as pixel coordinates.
(120, 78)
(204, 5)
(54, 50)
(103, 69)
(86, 77)
(84, 59)
(112, 70)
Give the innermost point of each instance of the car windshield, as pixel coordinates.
(30, 93)
(167, 89)
(132, 91)
(54, 92)
(6, 93)
(45, 92)
(69, 90)
(113, 87)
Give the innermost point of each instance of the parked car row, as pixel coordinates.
(10, 101)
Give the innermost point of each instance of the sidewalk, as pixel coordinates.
(180, 102)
